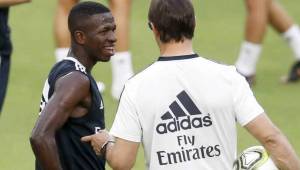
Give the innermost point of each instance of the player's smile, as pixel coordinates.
(110, 48)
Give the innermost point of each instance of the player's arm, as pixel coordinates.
(6, 3)
(69, 91)
(275, 142)
(120, 154)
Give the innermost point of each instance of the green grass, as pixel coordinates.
(218, 35)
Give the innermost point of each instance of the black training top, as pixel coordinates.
(74, 154)
(5, 43)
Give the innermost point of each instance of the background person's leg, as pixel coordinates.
(278, 18)
(284, 24)
(255, 28)
(61, 31)
(121, 62)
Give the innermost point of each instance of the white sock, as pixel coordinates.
(121, 71)
(61, 53)
(248, 57)
(292, 36)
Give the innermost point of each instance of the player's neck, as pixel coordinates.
(176, 48)
(80, 56)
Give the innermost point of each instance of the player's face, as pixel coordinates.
(100, 37)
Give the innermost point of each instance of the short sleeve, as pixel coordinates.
(126, 124)
(246, 106)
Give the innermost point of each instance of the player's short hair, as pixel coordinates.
(174, 19)
(81, 12)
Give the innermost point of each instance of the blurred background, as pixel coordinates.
(219, 33)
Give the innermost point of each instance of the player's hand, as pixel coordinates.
(97, 140)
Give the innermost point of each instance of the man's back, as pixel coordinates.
(183, 108)
(186, 107)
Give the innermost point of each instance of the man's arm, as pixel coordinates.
(69, 91)
(275, 142)
(120, 155)
(6, 3)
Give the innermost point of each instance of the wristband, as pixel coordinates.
(104, 147)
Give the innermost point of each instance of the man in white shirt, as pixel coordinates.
(184, 108)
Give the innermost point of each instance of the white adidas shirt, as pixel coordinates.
(184, 111)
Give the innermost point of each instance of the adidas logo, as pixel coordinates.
(186, 102)
(185, 115)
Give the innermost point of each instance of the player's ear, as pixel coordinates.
(79, 37)
(155, 31)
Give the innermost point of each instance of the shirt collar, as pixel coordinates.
(180, 57)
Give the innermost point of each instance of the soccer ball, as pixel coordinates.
(254, 158)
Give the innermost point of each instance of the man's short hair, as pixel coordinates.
(81, 12)
(174, 19)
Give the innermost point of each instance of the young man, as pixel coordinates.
(261, 13)
(5, 45)
(184, 108)
(71, 105)
(121, 62)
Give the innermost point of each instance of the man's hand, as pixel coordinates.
(120, 155)
(97, 140)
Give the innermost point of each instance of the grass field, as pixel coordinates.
(218, 35)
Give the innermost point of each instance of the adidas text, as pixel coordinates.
(186, 123)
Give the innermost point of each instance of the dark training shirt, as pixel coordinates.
(74, 154)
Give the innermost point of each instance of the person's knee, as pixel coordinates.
(66, 4)
(120, 3)
(254, 6)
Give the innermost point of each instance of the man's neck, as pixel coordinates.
(82, 58)
(176, 48)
